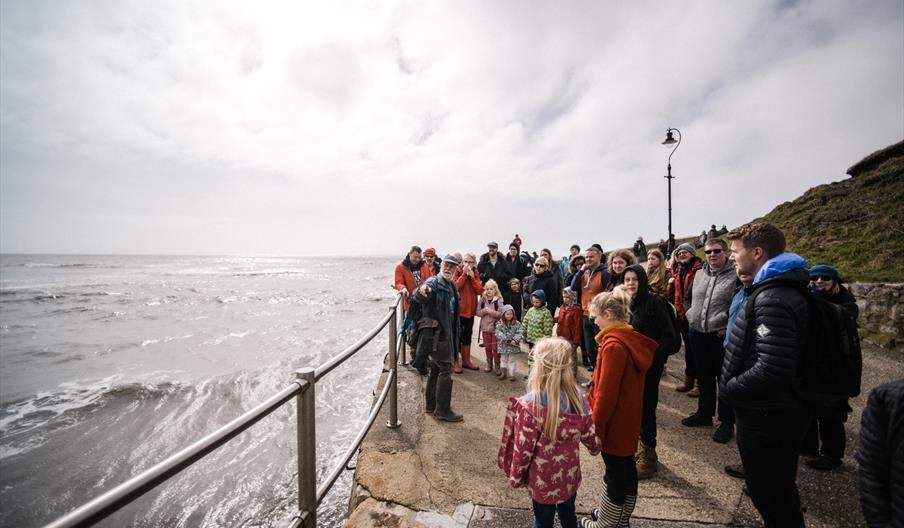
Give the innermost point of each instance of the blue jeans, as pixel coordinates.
(545, 514)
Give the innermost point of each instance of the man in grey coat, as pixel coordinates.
(711, 294)
(438, 337)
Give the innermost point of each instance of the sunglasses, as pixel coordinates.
(539, 265)
(712, 251)
(821, 278)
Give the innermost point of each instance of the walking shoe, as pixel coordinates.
(694, 392)
(647, 462)
(697, 420)
(735, 470)
(823, 463)
(723, 433)
(448, 416)
(687, 385)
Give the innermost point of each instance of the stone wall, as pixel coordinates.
(881, 313)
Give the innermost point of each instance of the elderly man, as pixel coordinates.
(761, 360)
(492, 266)
(438, 337)
(410, 273)
(590, 280)
(711, 295)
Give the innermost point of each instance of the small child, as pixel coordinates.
(513, 297)
(489, 309)
(568, 324)
(537, 323)
(543, 430)
(508, 342)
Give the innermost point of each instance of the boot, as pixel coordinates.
(647, 462)
(695, 392)
(430, 392)
(466, 358)
(456, 365)
(627, 510)
(489, 367)
(687, 385)
(607, 514)
(443, 409)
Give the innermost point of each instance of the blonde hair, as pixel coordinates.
(491, 284)
(658, 277)
(624, 254)
(618, 301)
(542, 260)
(553, 375)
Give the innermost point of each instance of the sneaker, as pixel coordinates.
(723, 433)
(735, 470)
(823, 463)
(697, 420)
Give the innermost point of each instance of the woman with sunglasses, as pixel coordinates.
(825, 440)
(542, 279)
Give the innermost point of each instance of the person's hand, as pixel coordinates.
(671, 280)
(585, 266)
(404, 292)
(425, 289)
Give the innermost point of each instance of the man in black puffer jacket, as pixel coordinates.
(760, 364)
(881, 456)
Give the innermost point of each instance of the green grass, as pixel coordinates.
(856, 225)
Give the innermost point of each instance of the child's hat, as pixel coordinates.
(507, 308)
(539, 294)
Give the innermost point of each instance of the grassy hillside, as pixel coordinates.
(857, 225)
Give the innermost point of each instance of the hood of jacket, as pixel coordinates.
(640, 347)
(643, 285)
(780, 264)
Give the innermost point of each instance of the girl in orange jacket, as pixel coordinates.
(616, 399)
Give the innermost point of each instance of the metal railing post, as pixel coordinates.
(392, 376)
(400, 313)
(307, 450)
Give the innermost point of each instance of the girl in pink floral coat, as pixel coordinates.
(541, 442)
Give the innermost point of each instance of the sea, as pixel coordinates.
(109, 364)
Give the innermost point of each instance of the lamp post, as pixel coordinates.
(669, 140)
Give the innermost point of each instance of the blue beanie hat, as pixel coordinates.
(539, 294)
(824, 270)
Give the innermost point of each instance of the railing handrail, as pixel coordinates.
(109, 502)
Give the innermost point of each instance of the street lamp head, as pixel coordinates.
(669, 140)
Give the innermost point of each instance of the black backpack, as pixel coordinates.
(831, 364)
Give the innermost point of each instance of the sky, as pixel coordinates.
(353, 128)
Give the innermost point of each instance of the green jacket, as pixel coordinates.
(537, 324)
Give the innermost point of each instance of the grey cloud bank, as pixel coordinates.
(218, 128)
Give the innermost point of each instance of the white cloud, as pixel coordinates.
(360, 128)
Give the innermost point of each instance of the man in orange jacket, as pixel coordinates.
(411, 273)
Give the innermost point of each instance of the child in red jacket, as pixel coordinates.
(616, 397)
(542, 435)
(569, 323)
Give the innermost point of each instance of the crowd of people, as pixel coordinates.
(620, 316)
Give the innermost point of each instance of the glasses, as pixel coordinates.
(712, 251)
(822, 278)
(539, 265)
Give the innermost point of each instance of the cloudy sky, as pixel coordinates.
(330, 128)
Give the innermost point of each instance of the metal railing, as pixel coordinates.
(303, 388)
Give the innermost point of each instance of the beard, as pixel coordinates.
(446, 275)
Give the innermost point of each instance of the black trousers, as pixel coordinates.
(690, 368)
(620, 477)
(588, 336)
(769, 442)
(651, 400)
(827, 428)
(708, 354)
(545, 514)
(467, 330)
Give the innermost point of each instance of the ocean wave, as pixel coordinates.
(20, 420)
